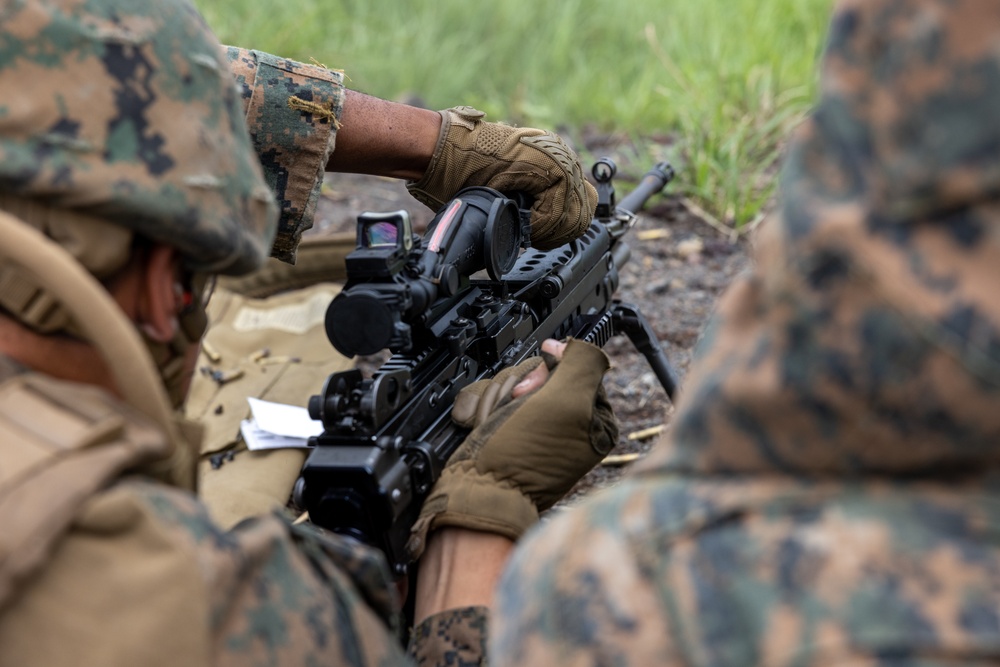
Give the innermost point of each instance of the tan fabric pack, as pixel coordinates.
(274, 348)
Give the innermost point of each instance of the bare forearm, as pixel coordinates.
(384, 138)
(460, 568)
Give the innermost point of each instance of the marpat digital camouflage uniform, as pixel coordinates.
(827, 494)
(117, 115)
(292, 111)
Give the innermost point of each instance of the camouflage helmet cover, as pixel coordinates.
(127, 112)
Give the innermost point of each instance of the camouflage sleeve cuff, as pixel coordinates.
(453, 637)
(293, 112)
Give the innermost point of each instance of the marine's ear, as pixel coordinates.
(152, 294)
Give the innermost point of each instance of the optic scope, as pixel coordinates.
(394, 276)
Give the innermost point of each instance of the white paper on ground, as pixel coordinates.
(277, 426)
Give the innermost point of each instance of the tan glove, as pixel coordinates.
(527, 453)
(472, 152)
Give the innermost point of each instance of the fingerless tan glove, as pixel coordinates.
(527, 453)
(471, 151)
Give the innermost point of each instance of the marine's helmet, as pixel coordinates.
(124, 112)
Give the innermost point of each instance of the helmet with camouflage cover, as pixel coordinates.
(125, 113)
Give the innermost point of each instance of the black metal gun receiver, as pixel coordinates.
(455, 307)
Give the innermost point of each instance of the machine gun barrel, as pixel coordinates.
(652, 182)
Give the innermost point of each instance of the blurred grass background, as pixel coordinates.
(712, 85)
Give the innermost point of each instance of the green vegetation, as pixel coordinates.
(724, 80)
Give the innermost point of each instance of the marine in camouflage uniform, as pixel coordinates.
(123, 128)
(181, 591)
(827, 492)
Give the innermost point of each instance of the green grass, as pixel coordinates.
(723, 79)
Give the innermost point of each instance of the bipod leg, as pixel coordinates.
(627, 319)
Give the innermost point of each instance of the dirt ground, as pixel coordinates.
(679, 266)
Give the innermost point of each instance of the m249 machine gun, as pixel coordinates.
(454, 307)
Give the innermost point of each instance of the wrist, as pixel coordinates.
(460, 568)
(463, 498)
(384, 138)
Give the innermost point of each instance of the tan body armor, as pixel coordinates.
(62, 445)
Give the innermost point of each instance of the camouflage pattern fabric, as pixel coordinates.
(293, 112)
(454, 637)
(263, 593)
(828, 492)
(132, 117)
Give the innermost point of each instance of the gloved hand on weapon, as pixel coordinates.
(471, 151)
(524, 453)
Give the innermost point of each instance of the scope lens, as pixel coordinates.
(380, 235)
(359, 322)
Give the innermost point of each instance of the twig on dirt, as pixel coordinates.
(646, 433)
(620, 459)
(711, 220)
(653, 234)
